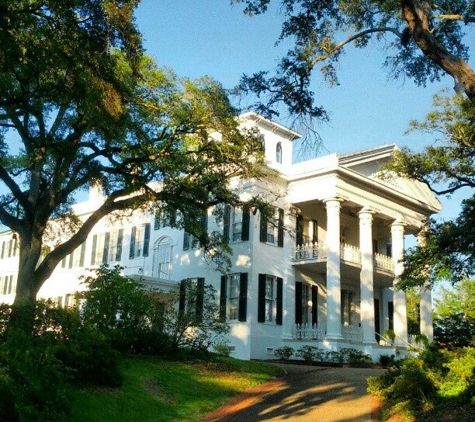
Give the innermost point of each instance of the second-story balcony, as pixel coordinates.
(318, 252)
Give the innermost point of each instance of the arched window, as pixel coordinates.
(162, 258)
(278, 153)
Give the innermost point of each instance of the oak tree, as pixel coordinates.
(82, 105)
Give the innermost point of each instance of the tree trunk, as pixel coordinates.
(417, 14)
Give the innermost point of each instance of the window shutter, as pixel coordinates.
(314, 305)
(105, 250)
(182, 297)
(3, 250)
(242, 313)
(299, 230)
(146, 239)
(315, 231)
(298, 302)
(118, 251)
(186, 241)
(226, 223)
(132, 242)
(156, 222)
(200, 294)
(280, 229)
(261, 298)
(222, 298)
(279, 301)
(83, 255)
(71, 260)
(93, 252)
(246, 217)
(263, 228)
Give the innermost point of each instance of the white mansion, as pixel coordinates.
(322, 276)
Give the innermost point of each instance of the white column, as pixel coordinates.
(399, 299)
(426, 324)
(366, 275)
(333, 269)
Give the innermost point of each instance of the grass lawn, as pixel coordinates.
(156, 389)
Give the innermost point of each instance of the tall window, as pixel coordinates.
(270, 291)
(106, 247)
(191, 241)
(162, 258)
(192, 297)
(306, 303)
(76, 258)
(233, 297)
(347, 305)
(272, 229)
(278, 153)
(139, 241)
(236, 224)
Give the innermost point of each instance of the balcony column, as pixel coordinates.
(333, 269)
(426, 324)
(366, 275)
(399, 298)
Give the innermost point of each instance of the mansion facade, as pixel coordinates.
(321, 273)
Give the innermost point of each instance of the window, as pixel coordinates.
(236, 224)
(139, 241)
(278, 153)
(107, 247)
(306, 231)
(191, 241)
(270, 299)
(75, 259)
(9, 247)
(7, 285)
(272, 229)
(162, 258)
(192, 297)
(306, 303)
(163, 219)
(347, 305)
(233, 298)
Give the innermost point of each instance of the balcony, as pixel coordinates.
(350, 333)
(318, 252)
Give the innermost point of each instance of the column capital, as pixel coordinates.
(367, 210)
(333, 199)
(398, 223)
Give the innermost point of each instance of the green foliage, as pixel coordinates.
(308, 353)
(321, 31)
(284, 352)
(434, 378)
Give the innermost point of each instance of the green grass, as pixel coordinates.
(159, 390)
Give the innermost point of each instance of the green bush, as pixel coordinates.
(309, 353)
(355, 357)
(284, 352)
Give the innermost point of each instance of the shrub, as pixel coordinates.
(284, 352)
(355, 357)
(308, 353)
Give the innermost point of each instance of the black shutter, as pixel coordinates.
(315, 231)
(105, 249)
(156, 222)
(186, 241)
(146, 239)
(223, 298)
(118, 251)
(71, 259)
(93, 252)
(226, 223)
(280, 229)
(246, 216)
(242, 314)
(83, 254)
(182, 297)
(132, 243)
(200, 294)
(298, 302)
(263, 228)
(279, 300)
(314, 305)
(299, 230)
(261, 299)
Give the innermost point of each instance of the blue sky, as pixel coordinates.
(212, 37)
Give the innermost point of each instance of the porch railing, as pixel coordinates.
(317, 332)
(349, 253)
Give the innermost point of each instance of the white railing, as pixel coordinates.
(317, 250)
(383, 262)
(352, 333)
(350, 253)
(308, 332)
